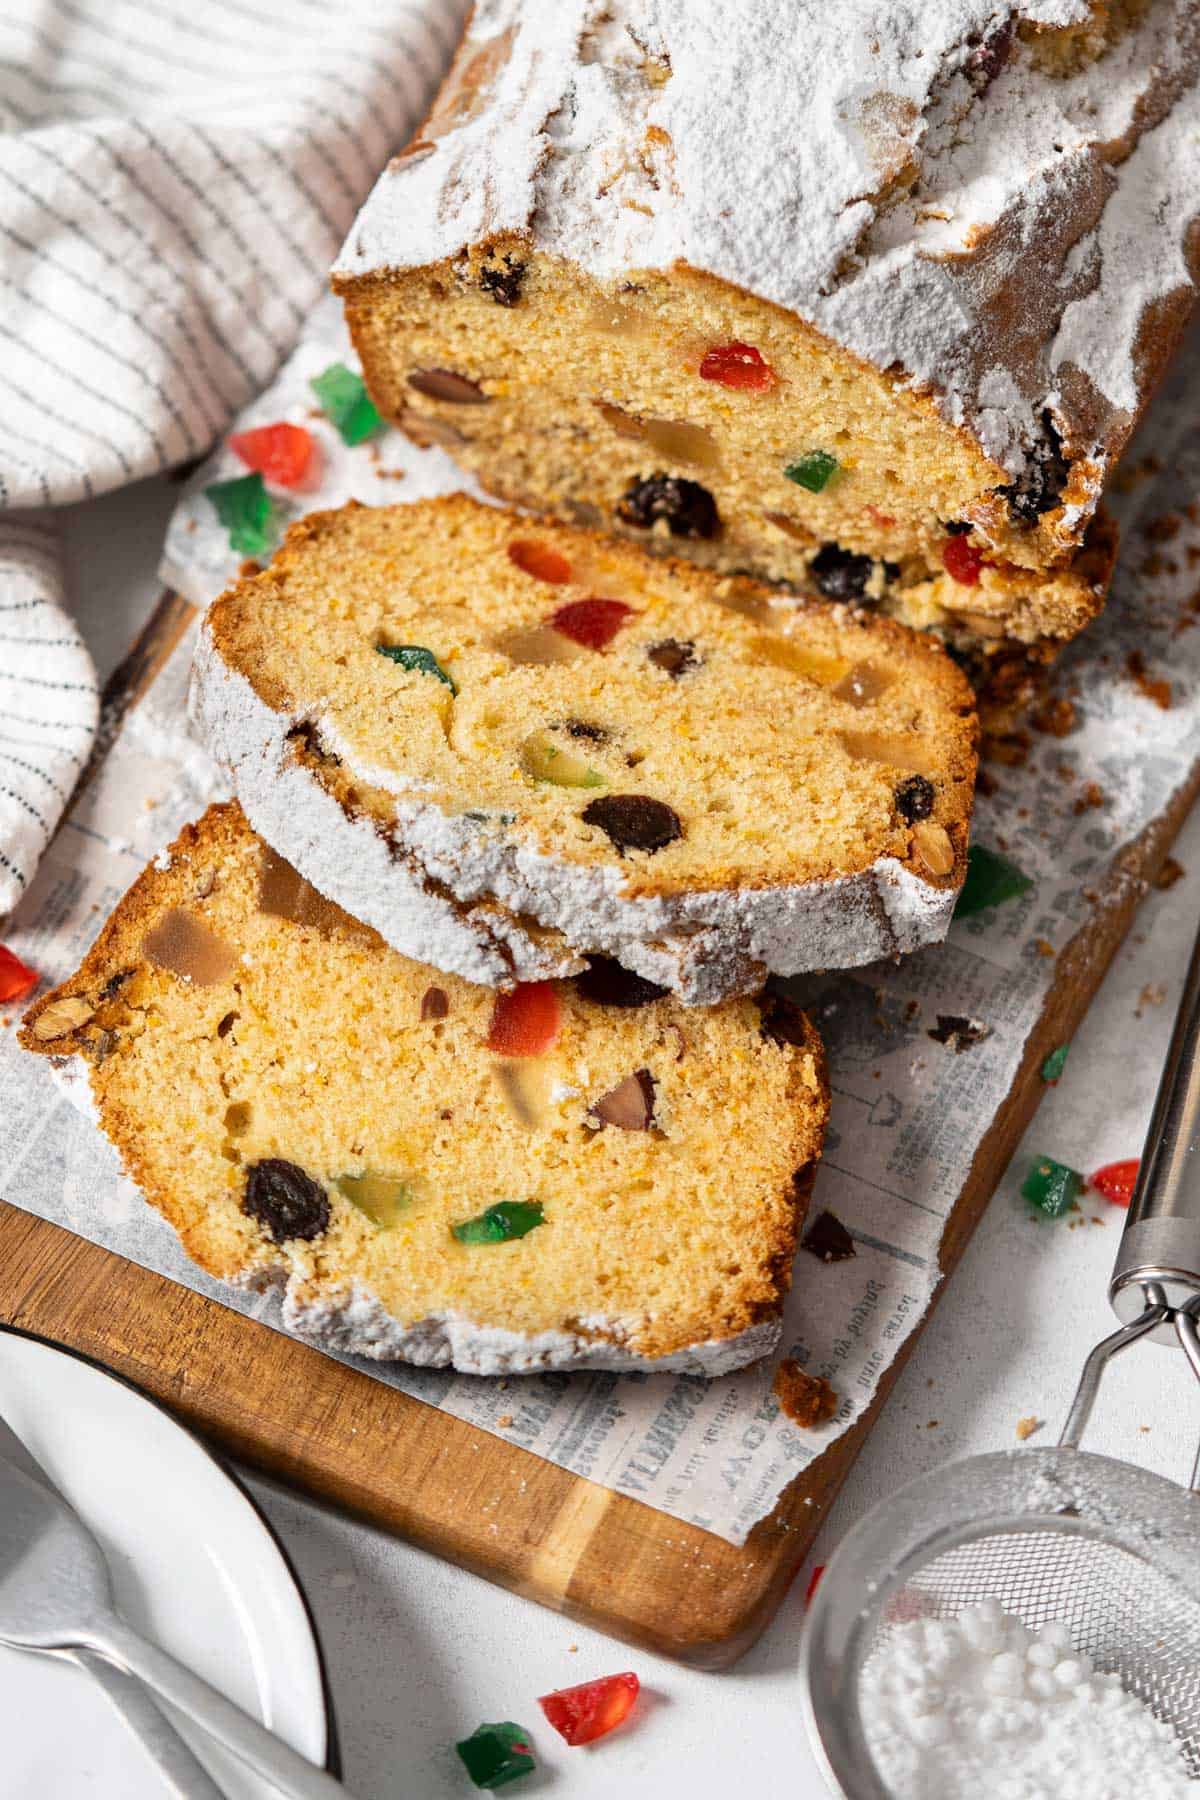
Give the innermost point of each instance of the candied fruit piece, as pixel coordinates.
(285, 1201)
(283, 453)
(1052, 1187)
(962, 561)
(914, 798)
(634, 821)
(589, 1711)
(381, 1198)
(864, 684)
(814, 1582)
(435, 1003)
(898, 749)
(526, 1021)
(676, 440)
(991, 879)
(184, 946)
(828, 1240)
(608, 983)
(1054, 1065)
(840, 574)
(538, 646)
(688, 509)
(16, 979)
(539, 560)
(737, 365)
(544, 760)
(246, 511)
(501, 1223)
(594, 623)
(629, 1106)
(1116, 1181)
(417, 658)
(525, 1084)
(496, 1754)
(814, 471)
(786, 653)
(346, 403)
(284, 893)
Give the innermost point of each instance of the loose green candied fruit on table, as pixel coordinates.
(1055, 1063)
(416, 657)
(814, 471)
(346, 403)
(1052, 1187)
(501, 1223)
(991, 879)
(247, 512)
(496, 1754)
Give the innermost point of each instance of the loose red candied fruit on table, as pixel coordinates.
(526, 1021)
(1116, 1181)
(539, 560)
(16, 980)
(592, 623)
(584, 1713)
(962, 560)
(284, 454)
(737, 366)
(814, 1581)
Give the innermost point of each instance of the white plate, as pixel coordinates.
(194, 1566)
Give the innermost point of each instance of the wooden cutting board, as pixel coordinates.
(487, 1505)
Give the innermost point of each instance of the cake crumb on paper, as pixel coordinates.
(806, 1399)
(1027, 1426)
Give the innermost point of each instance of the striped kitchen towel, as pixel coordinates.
(175, 180)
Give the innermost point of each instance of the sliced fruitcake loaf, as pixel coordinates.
(643, 758)
(858, 296)
(575, 1174)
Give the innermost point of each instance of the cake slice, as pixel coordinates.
(577, 1174)
(509, 746)
(866, 298)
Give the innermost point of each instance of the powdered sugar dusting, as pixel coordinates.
(915, 181)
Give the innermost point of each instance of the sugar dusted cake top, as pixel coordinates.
(994, 200)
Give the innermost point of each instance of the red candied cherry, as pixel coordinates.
(738, 366)
(594, 623)
(282, 453)
(962, 560)
(539, 560)
(1116, 1181)
(587, 1712)
(16, 979)
(526, 1021)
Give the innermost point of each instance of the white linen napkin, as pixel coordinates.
(175, 180)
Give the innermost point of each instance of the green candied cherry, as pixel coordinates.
(991, 880)
(814, 471)
(496, 1754)
(383, 1199)
(544, 760)
(346, 403)
(247, 512)
(1054, 1064)
(1052, 1187)
(417, 658)
(501, 1223)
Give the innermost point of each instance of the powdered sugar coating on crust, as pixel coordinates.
(431, 887)
(924, 184)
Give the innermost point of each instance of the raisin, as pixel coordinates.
(957, 527)
(606, 982)
(988, 58)
(688, 508)
(285, 1201)
(674, 656)
(914, 798)
(1040, 488)
(503, 281)
(783, 1021)
(634, 821)
(580, 728)
(840, 574)
(444, 384)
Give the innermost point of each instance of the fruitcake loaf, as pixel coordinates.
(861, 297)
(576, 1174)
(564, 746)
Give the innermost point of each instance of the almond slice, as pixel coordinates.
(629, 1106)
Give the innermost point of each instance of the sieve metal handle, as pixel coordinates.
(1161, 1241)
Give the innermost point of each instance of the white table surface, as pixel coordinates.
(419, 1652)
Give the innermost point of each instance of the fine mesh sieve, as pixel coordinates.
(1111, 1550)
